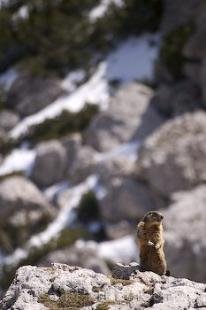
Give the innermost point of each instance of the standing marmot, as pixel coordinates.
(151, 243)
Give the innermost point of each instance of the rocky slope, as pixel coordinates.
(101, 120)
(63, 286)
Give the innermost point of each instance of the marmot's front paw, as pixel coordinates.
(150, 243)
(157, 246)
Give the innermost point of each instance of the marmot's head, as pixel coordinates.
(153, 217)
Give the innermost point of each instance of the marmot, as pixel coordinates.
(151, 243)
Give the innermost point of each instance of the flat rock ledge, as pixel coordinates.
(67, 287)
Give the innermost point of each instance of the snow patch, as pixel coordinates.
(95, 91)
(22, 13)
(19, 160)
(72, 79)
(54, 190)
(100, 10)
(133, 59)
(126, 150)
(122, 250)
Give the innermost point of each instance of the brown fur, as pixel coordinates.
(151, 243)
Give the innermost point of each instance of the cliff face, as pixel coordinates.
(65, 287)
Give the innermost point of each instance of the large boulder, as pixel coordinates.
(50, 165)
(62, 286)
(185, 234)
(29, 94)
(126, 198)
(173, 158)
(129, 117)
(24, 211)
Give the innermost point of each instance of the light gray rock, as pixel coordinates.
(50, 164)
(83, 165)
(129, 117)
(173, 158)
(23, 209)
(185, 222)
(77, 256)
(29, 94)
(61, 286)
(8, 120)
(126, 199)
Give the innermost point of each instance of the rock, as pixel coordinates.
(72, 144)
(83, 165)
(196, 47)
(203, 80)
(78, 256)
(126, 199)
(179, 12)
(185, 222)
(179, 98)
(61, 286)
(29, 94)
(50, 164)
(129, 117)
(24, 211)
(8, 120)
(173, 158)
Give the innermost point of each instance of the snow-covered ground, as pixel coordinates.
(131, 60)
(122, 250)
(126, 150)
(100, 10)
(19, 160)
(72, 79)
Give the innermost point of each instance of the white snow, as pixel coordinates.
(122, 250)
(72, 79)
(19, 160)
(95, 91)
(54, 190)
(8, 78)
(126, 150)
(133, 59)
(100, 10)
(22, 13)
